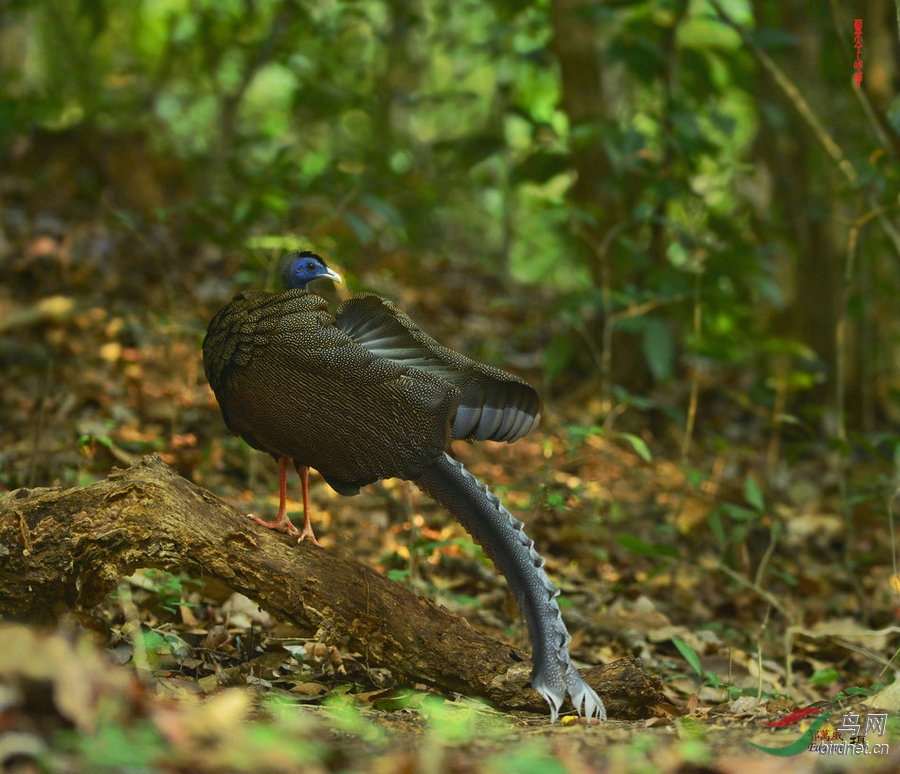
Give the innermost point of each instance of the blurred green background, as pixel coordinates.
(698, 188)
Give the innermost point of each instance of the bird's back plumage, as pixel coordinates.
(290, 382)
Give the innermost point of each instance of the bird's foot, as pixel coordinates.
(282, 524)
(308, 534)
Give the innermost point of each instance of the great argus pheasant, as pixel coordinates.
(364, 395)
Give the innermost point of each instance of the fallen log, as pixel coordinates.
(66, 549)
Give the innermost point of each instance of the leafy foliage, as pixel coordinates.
(700, 212)
(446, 126)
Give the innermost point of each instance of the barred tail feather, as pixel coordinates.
(503, 539)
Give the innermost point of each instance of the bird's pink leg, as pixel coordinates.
(307, 533)
(282, 521)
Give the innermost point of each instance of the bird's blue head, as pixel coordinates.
(299, 269)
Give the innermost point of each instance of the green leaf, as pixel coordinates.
(689, 654)
(114, 747)
(739, 513)
(824, 677)
(716, 526)
(89, 438)
(705, 33)
(400, 576)
(659, 350)
(643, 548)
(639, 445)
(857, 690)
(753, 495)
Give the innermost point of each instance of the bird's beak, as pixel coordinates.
(332, 275)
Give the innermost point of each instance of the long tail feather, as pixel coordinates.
(503, 538)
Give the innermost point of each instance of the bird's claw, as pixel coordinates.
(308, 534)
(282, 524)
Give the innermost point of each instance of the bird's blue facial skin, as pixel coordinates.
(299, 269)
(304, 270)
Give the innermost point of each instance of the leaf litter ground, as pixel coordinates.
(747, 604)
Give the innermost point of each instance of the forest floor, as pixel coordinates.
(754, 575)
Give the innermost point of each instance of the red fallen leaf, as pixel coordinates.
(789, 720)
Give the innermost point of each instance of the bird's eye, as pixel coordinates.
(310, 266)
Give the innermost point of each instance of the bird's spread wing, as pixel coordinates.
(494, 405)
